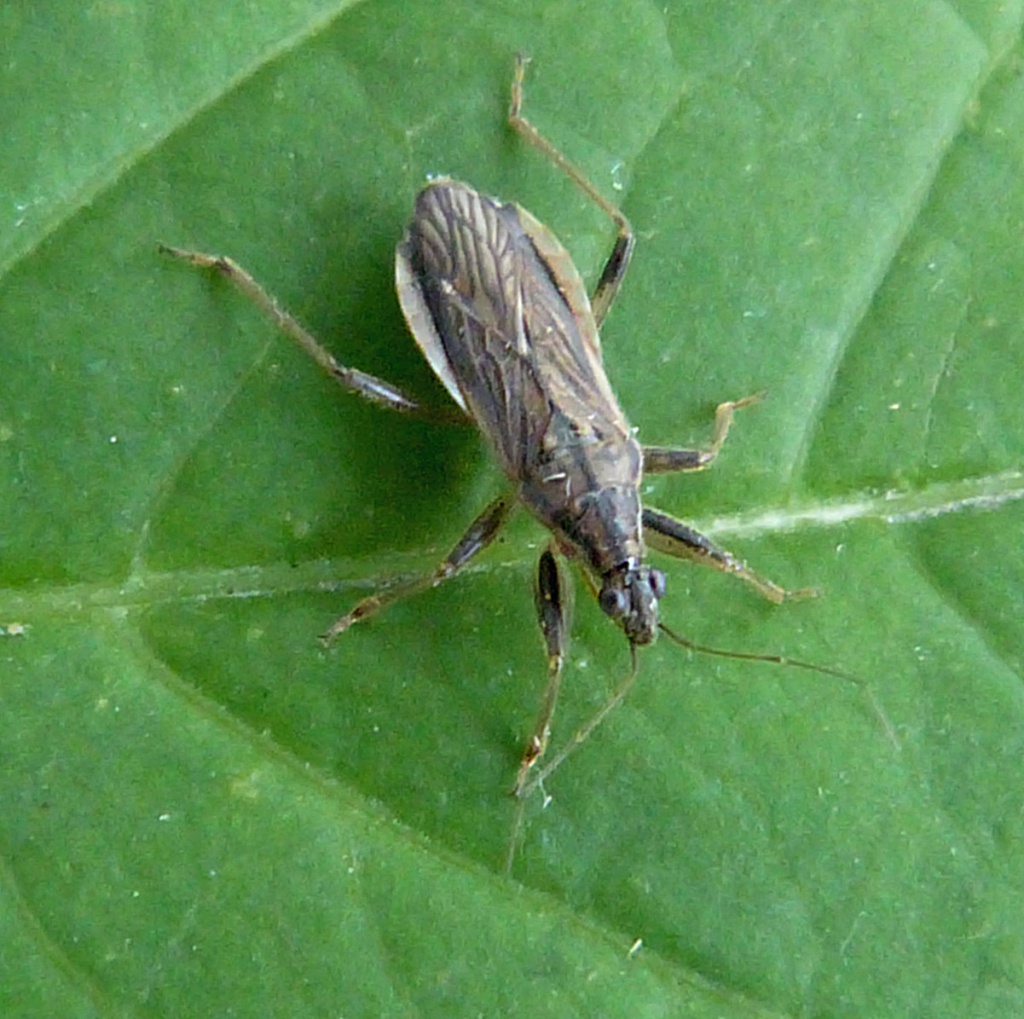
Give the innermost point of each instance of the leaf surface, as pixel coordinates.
(205, 813)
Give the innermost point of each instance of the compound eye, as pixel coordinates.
(658, 584)
(613, 602)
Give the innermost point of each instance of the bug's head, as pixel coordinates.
(630, 596)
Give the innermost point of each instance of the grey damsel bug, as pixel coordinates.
(501, 314)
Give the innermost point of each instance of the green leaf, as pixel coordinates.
(202, 812)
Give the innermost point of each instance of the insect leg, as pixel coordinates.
(551, 614)
(550, 597)
(367, 386)
(674, 538)
(661, 460)
(584, 733)
(478, 536)
(618, 261)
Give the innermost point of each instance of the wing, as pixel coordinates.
(500, 312)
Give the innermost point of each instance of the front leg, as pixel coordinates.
(551, 598)
(672, 537)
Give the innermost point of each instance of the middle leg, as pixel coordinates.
(665, 460)
(478, 536)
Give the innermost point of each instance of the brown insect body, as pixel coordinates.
(517, 347)
(499, 311)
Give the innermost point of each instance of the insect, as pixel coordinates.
(501, 314)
